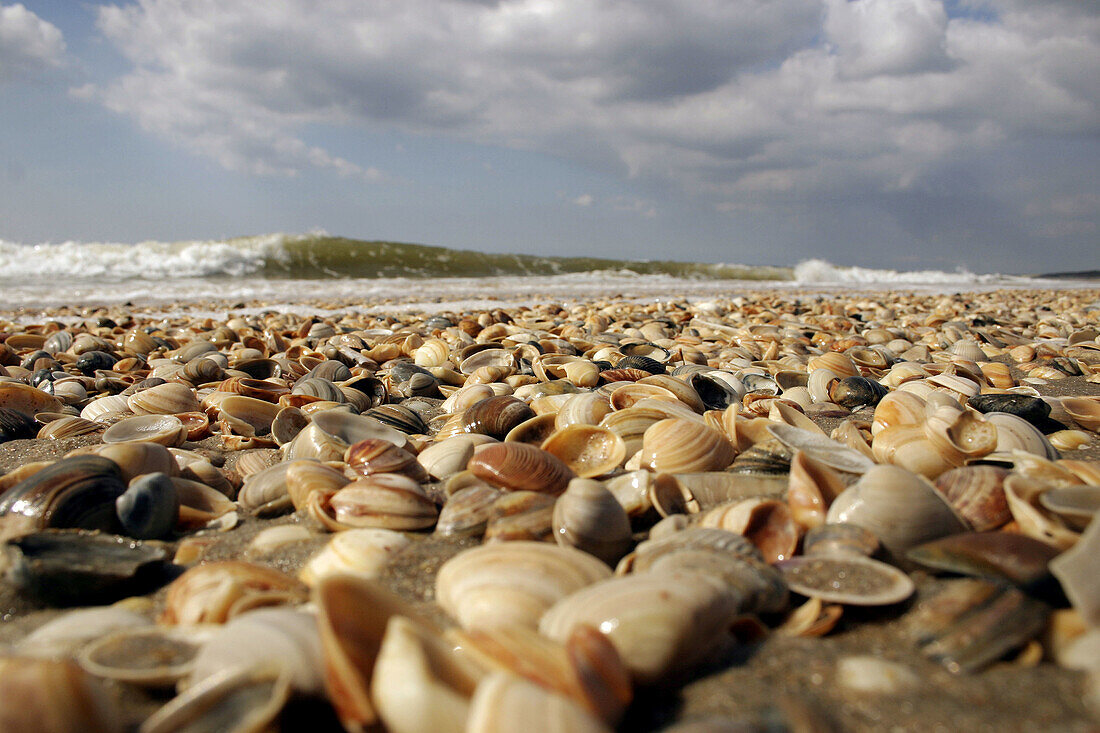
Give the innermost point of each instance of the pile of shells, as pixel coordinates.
(632, 492)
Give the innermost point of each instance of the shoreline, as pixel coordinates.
(780, 680)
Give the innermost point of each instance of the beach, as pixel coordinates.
(759, 675)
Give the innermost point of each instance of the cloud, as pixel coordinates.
(750, 105)
(585, 199)
(28, 44)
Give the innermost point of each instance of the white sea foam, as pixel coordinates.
(821, 272)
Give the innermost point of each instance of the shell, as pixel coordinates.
(149, 507)
(375, 455)
(363, 552)
(960, 436)
(977, 494)
(520, 515)
(54, 696)
(265, 492)
(467, 511)
(677, 445)
(588, 450)
(166, 430)
(504, 702)
(65, 426)
(900, 507)
(1019, 559)
(1076, 571)
(247, 416)
(811, 489)
(164, 399)
(848, 579)
(587, 516)
(236, 701)
(26, 399)
(821, 448)
(644, 493)
(218, 591)
(303, 478)
(898, 408)
(832, 540)
(512, 582)
(147, 656)
(496, 416)
(77, 492)
(388, 501)
(1015, 433)
(1023, 494)
(1085, 411)
(767, 523)
(661, 623)
(518, 466)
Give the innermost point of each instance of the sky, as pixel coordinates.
(880, 133)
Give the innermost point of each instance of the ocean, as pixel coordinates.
(304, 272)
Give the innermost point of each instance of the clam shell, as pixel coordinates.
(164, 399)
(811, 489)
(236, 700)
(898, 408)
(26, 399)
(388, 501)
(767, 523)
(900, 507)
(512, 582)
(66, 426)
(849, 579)
(446, 458)
(265, 492)
(1085, 411)
(977, 494)
(661, 623)
(77, 492)
(1019, 559)
(1076, 571)
(166, 430)
(151, 657)
(642, 493)
(217, 591)
(1023, 494)
(829, 452)
(839, 539)
(504, 702)
(63, 636)
(496, 416)
(57, 693)
(363, 552)
(587, 450)
(520, 467)
(587, 516)
(374, 455)
(520, 515)
(149, 507)
(467, 511)
(677, 445)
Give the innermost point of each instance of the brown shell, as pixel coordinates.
(519, 466)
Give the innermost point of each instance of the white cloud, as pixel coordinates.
(743, 103)
(585, 199)
(28, 44)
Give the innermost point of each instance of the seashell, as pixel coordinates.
(65, 426)
(446, 458)
(864, 675)
(202, 370)
(960, 436)
(630, 394)
(26, 399)
(102, 408)
(398, 417)
(15, 425)
(64, 567)
(322, 389)
(363, 552)
(164, 399)
(677, 445)
(268, 390)
(908, 447)
(1076, 572)
(681, 389)
(518, 466)
(970, 623)
(838, 363)
(305, 478)
(496, 416)
(62, 636)
(868, 358)
(237, 700)
(630, 425)
(833, 540)
(247, 416)
(166, 430)
(768, 457)
(512, 582)
(1074, 505)
(275, 538)
(811, 619)
(1069, 440)
(1023, 495)
(265, 492)
(811, 489)
(900, 507)
(375, 455)
(419, 683)
(1019, 559)
(218, 591)
(587, 450)
(487, 358)
(818, 382)
(77, 492)
(847, 579)
(825, 450)
(640, 362)
(92, 361)
(69, 391)
(586, 408)
(587, 516)
(146, 656)
(521, 515)
(644, 493)
(706, 490)
(503, 701)
(977, 494)
(854, 392)
(149, 507)
(467, 511)
(661, 623)
(717, 390)
(287, 423)
(534, 431)
(388, 501)
(898, 408)
(767, 523)
(434, 352)
(759, 384)
(467, 396)
(1014, 433)
(1085, 411)
(54, 696)
(252, 461)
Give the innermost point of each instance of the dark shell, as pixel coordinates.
(852, 392)
(716, 394)
(403, 370)
(400, 417)
(77, 492)
(149, 508)
(769, 456)
(71, 567)
(60, 341)
(30, 361)
(438, 323)
(623, 375)
(496, 416)
(641, 362)
(260, 368)
(1033, 409)
(971, 623)
(15, 425)
(1010, 556)
(201, 370)
(92, 361)
(371, 387)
